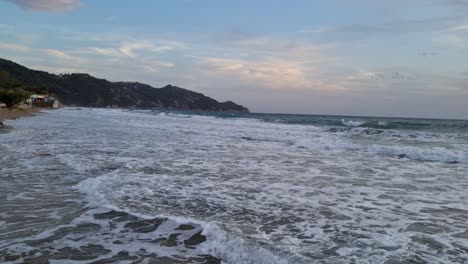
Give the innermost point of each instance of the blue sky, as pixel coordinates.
(362, 57)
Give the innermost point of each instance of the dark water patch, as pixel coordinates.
(120, 256)
(453, 213)
(83, 253)
(428, 241)
(196, 239)
(4, 128)
(185, 227)
(81, 230)
(145, 226)
(116, 216)
(413, 259)
(462, 234)
(171, 241)
(99, 236)
(427, 228)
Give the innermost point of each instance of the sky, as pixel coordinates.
(340, 57)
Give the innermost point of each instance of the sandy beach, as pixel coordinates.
(13, 114)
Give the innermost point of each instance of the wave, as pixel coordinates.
(380, 124)
(395, 134)
(351, 123)
(328, 121)
(437, 154)
(218, 243)
(433, 154)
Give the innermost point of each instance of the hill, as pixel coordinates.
(80, 89)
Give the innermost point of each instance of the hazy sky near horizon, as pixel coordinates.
(360, 57)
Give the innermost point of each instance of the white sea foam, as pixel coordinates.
(352, 123)
(261, 192)
(382, 123)
(101, 193)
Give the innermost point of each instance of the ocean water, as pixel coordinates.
(134, 186)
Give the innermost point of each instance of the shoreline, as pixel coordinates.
(17, 113)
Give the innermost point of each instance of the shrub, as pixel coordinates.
(13, 96)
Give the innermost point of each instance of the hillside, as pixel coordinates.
(80, 89)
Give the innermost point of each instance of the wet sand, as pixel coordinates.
(13, 114)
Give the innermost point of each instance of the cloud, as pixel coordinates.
(428, 53)
(364, 75)
(267, 63)
(125, 47)
(315, 30)
(388, 18)
(247, 43)
(130, 48)
(270, 73)
(376, 79)
(62, 55)
(452, 40)
(54, 6)
(111, 52)
(14, 47)
(156, 66)
(462, 27)
(5, 27)
(58, 54)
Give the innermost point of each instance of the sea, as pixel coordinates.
(81, 185)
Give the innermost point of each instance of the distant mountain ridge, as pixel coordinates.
(81, 89)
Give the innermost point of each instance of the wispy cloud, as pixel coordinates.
(270, 73)
(5, 27)
(62, 55)
(111, 52)
(266, 45)
(51, 53)
(47, 5)
(14, 47)
(130, 49)
(462, 27)
(317, 30)
(376, 78)
(268, 62)
(156, 66)
(364, 75)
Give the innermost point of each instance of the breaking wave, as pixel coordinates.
(101, 194)
(351, 123)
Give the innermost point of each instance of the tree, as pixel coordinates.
(12, 97)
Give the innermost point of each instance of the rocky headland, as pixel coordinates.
(79, 89)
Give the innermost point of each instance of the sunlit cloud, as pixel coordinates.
(62, 55)
(47, 5)
(270, 73)
(111, 52)
(131, 49)
(379, 49)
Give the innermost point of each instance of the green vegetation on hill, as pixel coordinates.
(12, 97)
(7, 81)
(13, 91)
